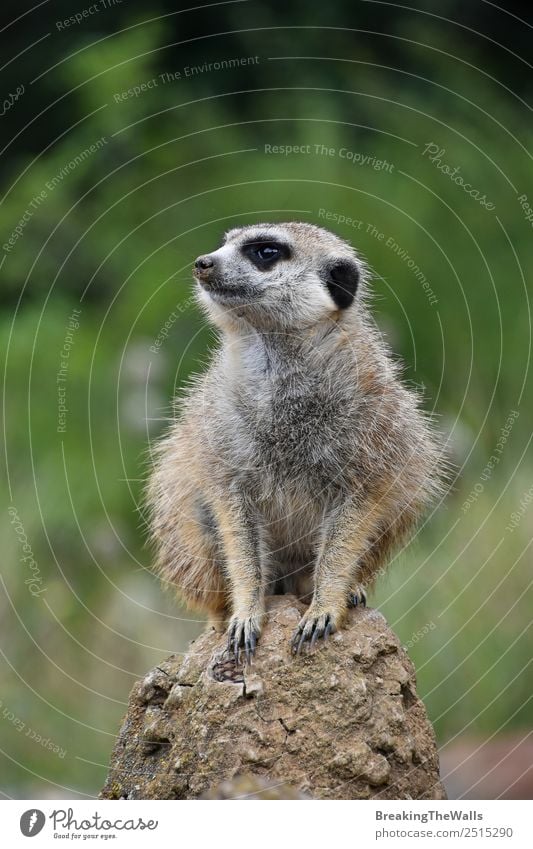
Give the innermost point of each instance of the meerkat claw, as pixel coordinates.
(253, 643)
(357, 597)
(242, 638)
(310, 630)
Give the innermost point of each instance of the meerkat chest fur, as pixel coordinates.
(286, 418)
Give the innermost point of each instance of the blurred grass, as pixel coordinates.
(120, 232)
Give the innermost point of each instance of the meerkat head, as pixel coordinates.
(278, 275)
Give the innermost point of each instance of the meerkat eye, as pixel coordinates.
(265, 254)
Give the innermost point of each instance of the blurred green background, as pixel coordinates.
(108, 195)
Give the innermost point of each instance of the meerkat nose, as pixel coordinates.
(203, 263)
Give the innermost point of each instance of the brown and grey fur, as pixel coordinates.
(298, 460)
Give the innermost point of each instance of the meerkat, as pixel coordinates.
(299, 460)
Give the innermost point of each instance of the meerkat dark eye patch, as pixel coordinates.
(342, 279)
(265, 253)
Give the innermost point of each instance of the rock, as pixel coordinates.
(343, 722)
(253, 787)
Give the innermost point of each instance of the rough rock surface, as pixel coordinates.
(343, 722)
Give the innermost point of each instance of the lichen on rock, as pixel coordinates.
(342, 722)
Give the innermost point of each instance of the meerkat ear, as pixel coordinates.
(342, 279)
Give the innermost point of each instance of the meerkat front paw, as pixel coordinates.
(357, 597)
(313, 626)
(243, 633)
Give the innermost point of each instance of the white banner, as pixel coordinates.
(254, 824)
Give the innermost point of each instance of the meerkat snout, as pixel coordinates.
(204, 262)
(204, 269)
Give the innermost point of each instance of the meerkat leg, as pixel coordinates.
(240, 539)
(345, 542)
